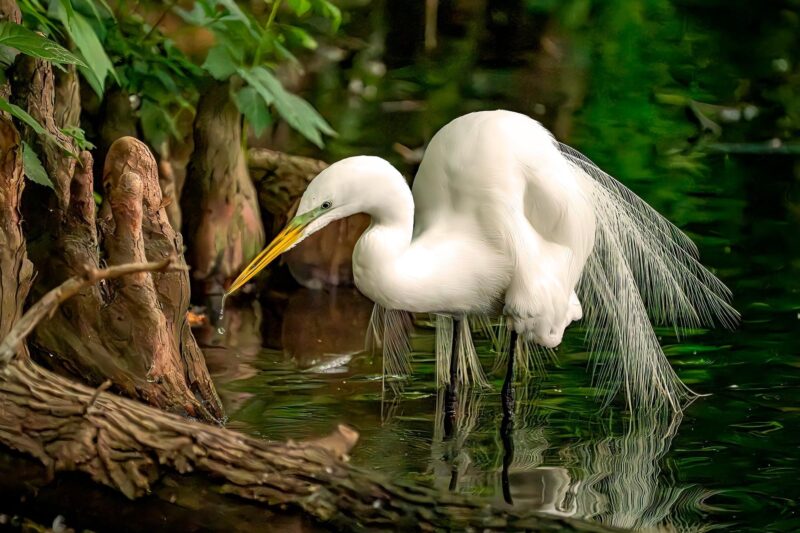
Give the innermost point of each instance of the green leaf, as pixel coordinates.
(236, 11)
(33, 44)
(79, 136)
(298, 113)
(21, 114)
(33, 167)
(329, 11)
(300, 7)
(219, 63)
(254, 109)
(87, 41)
(299, 37)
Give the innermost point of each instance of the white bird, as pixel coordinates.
(504, 221)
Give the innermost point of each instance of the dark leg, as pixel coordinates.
(452, 387)
(507, 424)
(508, 389)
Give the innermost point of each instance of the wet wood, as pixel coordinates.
(135, 449)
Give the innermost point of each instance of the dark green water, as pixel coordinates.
(630, 89)
(731, 460)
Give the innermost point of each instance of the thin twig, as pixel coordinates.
(47, 305)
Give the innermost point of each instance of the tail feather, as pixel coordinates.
(640, 262)
(675, 286)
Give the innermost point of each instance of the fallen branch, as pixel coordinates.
(135, 449)
(48, 304)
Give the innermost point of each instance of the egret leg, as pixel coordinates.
(508, 389)
(452, 387)
(507, 424)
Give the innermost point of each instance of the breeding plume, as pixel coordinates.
(505, 222)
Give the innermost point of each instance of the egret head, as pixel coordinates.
(360, 184)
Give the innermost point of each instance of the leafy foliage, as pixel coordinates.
(30, 43)
(244, 48)
(142, 61)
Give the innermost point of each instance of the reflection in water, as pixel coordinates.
(540, 456)
(322, 330)
(614, 478)
(231, 356)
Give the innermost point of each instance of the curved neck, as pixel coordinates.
(382, 244)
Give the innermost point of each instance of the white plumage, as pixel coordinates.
(504, 221)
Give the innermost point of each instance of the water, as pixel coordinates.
(628, 89)
(731, 460)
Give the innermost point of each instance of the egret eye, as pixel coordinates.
(326, 205)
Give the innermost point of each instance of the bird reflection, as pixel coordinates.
(613, 477)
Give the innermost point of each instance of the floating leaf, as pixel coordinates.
(33, 167)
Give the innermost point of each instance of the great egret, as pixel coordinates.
(503, 220)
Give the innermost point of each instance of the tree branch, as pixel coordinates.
(55, 297)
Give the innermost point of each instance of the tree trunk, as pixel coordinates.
(16, 271)
(138, 450)
(132, 331)
(221, 217)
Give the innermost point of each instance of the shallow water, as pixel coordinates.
(620, 82)
(731, 460)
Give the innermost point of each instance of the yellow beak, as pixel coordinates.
(287, 238)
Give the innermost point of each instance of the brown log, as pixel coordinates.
(134, 448)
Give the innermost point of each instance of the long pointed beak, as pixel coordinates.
(287, 238)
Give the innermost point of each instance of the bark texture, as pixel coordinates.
(131, 448)
(221, 217)
(325, 258)
(16, 270)
(132, 331)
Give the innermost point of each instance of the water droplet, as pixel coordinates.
(222, 307)
(221, 330)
